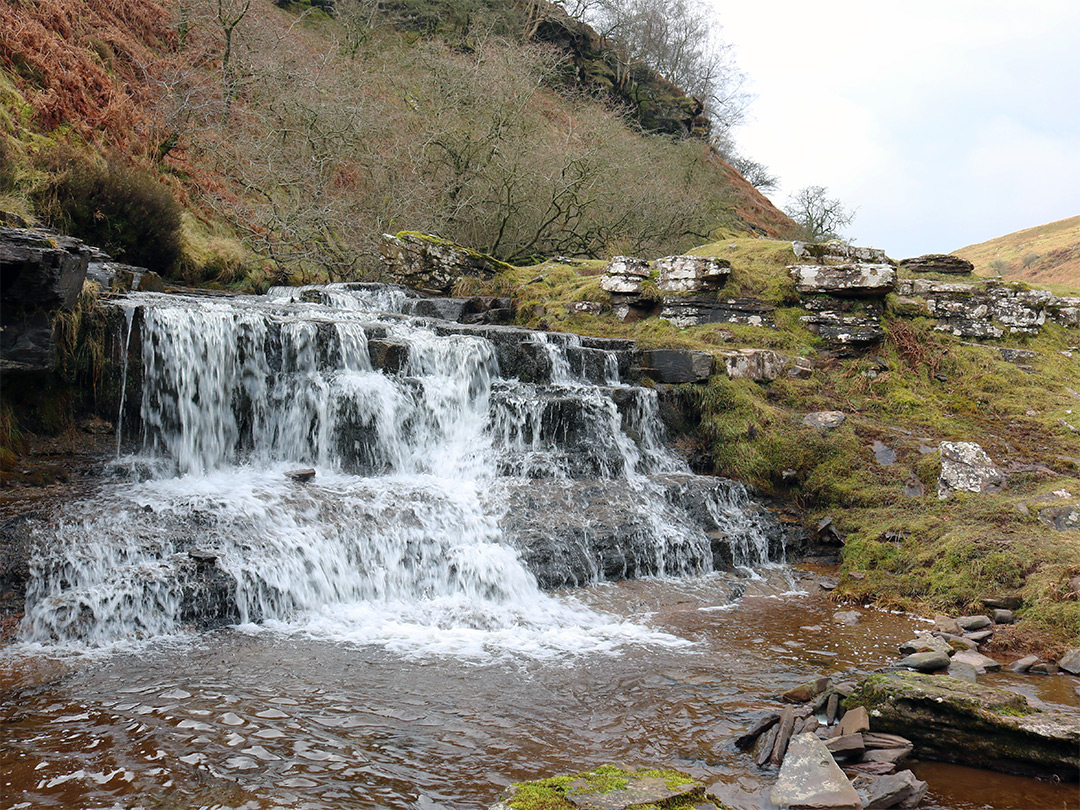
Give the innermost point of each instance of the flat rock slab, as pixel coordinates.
(1070, 662)
(972, 724)
(965, 467)
(640, 791)
(982, 663)
(926, 661)
(811, 780)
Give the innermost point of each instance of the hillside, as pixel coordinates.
(291, 139)
(1046, 254)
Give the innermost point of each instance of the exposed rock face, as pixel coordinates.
(429, 263)
(845, 280)
(41, 272)
(985, 310)
(677, 365)
(938, 263)
(954, 721)
(811, 780)
(846, 333)
(692, 273)
(1070, 662)
(761, 365)
(624, 274)
(701, 310)
(966, 467)
(839, 251)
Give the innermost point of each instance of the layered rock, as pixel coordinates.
(835, 250)
(855, 280)
(426, 262)
(938, 263)
(701, 310)
(676, 365)
(691, 273)
(955, 721)
(41, 272)
(761, 365)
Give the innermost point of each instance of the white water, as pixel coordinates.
(401, 538)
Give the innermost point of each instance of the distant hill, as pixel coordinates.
(1047, 254)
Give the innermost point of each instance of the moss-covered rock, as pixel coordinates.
(974, 724)
(611, 788)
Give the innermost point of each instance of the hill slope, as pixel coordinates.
(1047, 254)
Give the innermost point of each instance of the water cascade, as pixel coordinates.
(461, 470)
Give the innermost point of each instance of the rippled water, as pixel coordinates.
(263, 719)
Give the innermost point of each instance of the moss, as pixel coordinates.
(551, 793)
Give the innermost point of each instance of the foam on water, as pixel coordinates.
(398, 540)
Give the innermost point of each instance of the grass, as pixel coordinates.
(1045, 253)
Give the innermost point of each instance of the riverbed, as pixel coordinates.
(260, 718)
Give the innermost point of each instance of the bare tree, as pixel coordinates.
(820, 216)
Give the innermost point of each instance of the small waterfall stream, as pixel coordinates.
(462, 470)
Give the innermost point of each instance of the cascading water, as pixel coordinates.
(459, 469)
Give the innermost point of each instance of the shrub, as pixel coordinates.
(123, 210)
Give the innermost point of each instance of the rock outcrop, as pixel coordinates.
(938, 263)
(955, 721)
(612, 788)
(691, 273)
(431, 264)
(854, 280)
(700, 310)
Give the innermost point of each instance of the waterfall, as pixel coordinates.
(460, 469)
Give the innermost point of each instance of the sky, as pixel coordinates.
(943, 123)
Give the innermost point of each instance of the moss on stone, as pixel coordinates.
(551, 793)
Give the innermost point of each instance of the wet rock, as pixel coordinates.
(691, 273)
(966, 467)
(824, 420)
(974, 724)
(16, 548)
(844, 280)
(1070, 662)
(979, 636)
(612, 788)
(854, 721)
(981, 663)
(925, 643)
(848, 746)
(832, 708)
(847, 617)
(784, 729)
(764, 746)
(957, 642)
(301, 476)
(1044, 669)
(1024, 664)
(896, 790)
(1003, 616)
(937, 263)
(677, 365)
(925, 661)
(426, 262)
(805, 692)
(870, 768)
(760, 726)
(811, 780)
(973, 623)
(1006, 602)
(761, 365)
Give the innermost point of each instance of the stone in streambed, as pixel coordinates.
(973, 623)
(1070, 662)
(854, 721)
(1024, 664)
(979, 636)
(982, 663)
(896, 790)
(761, 725)
(972, 724)
(805, 692)
(925, 643)
(1044, 669)
(925, 661)
(785, 728)
(849, 746)
(1003, 616)
(962, 671)
(947, 625)
(811, 780)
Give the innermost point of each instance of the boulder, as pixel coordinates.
(981, 663)
(855, 720)
(972, 724)
(836, 250)
(925, 661)
(612, 788)
(824, 420)
(427, 262)
(894, 790)
(1003, 616)
(963, 671)
(761, 365)
(925, 643)
(846, 746)
(692, 273)
(624, 275)
(844, 280)
(811, 780)
(677, 365)
(1070, 662)
(938, 263)
(1024, 664)
(973, 623)
(965, 467)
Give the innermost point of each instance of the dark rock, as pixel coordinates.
(764, 746)
(1044, 669)
(697, 311)
(832, 707)
(810, 779)
(203, 556)
(677, 365)
(961, 670)
(803, 693)
(855, 720)
(783, 735)
(849, 746)
(760, 726)
(1061, 518)
(897, 790)
(845, 334)
(16, 548)
(925, 661)
(1006, 602)
(1003, 616)
(835, 250)
(972, 724)
(894, 755)
(41, 269)
(301, 476)
(937, 263)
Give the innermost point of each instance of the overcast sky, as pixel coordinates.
(944, 122)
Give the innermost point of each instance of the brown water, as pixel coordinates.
(229, 719)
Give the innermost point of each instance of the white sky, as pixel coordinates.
(944, 122)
